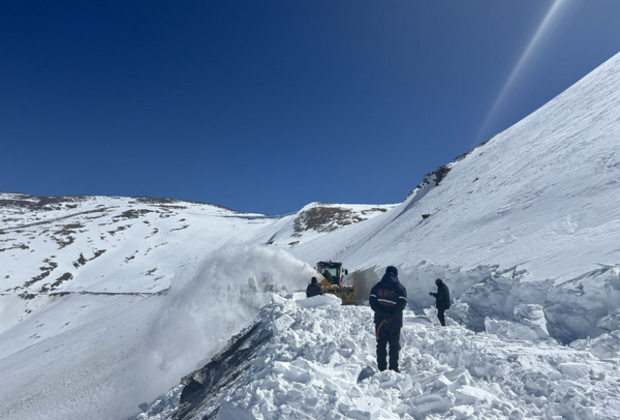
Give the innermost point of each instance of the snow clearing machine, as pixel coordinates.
(353, 289)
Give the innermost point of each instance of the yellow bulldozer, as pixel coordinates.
(352, 290)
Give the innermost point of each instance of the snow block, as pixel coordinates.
(574, 370)
(578, 305)
(606, 324)
(491, 298)
(470, 395)
(431, 403)
(463, 412)
(367, 372)
(297, 374)
(533, 317)
(322, 300)
(606, 346)
(279, 325)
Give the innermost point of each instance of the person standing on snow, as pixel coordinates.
(442, 300)
(313, 288)
(388, 299)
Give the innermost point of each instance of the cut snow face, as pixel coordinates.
(486, 297)
(311, 361)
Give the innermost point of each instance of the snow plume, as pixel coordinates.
(208, 305)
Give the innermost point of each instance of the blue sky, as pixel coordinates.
(265, 106)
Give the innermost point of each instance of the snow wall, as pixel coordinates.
(487, 298)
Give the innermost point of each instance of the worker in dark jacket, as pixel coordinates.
(442, 300)
(388, 299)
(313, 288)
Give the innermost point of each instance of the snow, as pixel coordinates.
(551, 179)
(106, 302)
(320, 301)
(310, 369)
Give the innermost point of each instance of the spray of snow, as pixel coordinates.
(203, 310)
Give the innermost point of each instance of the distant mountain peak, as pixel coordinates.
(324, 217)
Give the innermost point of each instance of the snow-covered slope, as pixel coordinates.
(105, 302)
(543, 195)
(114, 245)
(537, 207)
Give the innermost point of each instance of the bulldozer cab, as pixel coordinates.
(331, 271)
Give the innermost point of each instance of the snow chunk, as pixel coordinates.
(279, 325)
(574, 370)
(530, 325)
(463, 412)
(321, 300)
(606, 346)
(471, 395)
(432, 403)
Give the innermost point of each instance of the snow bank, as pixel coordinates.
(487, 298)
(315, 365)
(575, 307)
(323, 300)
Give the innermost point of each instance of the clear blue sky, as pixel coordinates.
(265, 106)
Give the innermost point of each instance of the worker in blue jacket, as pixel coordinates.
(313, 289)
(388, 299)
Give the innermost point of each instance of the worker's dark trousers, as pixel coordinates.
(441, 316)
(391, 336)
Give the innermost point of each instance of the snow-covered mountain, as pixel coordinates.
(106, 302)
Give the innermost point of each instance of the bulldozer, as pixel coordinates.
(352, 290)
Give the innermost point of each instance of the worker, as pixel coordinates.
(313, 288)
(388, 299)
(442, 300)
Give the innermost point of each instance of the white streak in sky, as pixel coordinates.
(551, 14)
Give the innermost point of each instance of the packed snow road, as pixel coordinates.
(314, 364)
